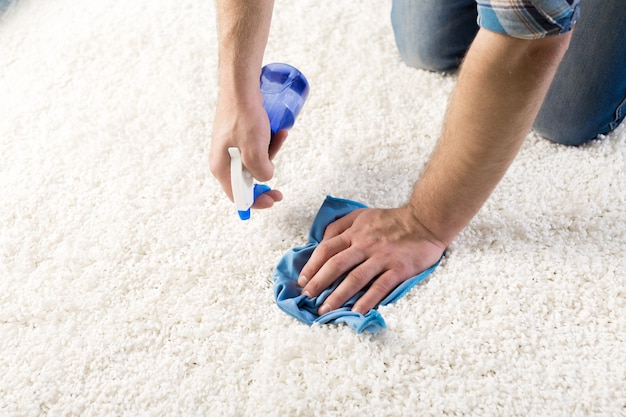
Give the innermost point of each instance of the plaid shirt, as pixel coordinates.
(528, 19)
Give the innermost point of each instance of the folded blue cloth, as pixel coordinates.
(287, 292)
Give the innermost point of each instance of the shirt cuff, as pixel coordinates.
(528, 19)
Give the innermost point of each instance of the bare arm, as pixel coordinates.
(501, 86)
(240, 120)
(243, 29)
(500, 89)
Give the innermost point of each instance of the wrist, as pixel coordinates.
(415, 222)
(240, 86)
(437, 211)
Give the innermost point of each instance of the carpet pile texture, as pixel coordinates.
(130, 287)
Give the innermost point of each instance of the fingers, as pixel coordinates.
(244, 125)
(373, 249)
(267, 199)
(354, 282)
(333, 242)
(220, 168)
(322, 258)
(219, 164)
(384, 281)
(380, 288)
(340, 225)
(334, 257)
(259, 165)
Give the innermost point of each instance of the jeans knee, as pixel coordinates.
(426, 57)
(429, 36)
(433, 35)
(576, 125)
(573, 134)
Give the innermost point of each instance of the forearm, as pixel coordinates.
(500, 88)
(243, 28)
(240, 119)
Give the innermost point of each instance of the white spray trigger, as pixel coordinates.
(242, 184)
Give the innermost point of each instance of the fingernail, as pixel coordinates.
(325, 308)
(302, 281)
(306, 294)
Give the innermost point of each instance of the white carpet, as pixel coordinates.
(129, 286)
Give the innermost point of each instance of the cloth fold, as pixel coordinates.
(287, 293)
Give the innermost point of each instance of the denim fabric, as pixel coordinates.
(434, 34)
(588, 95)
(4, 4)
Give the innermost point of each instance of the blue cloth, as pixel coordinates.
(287, 292)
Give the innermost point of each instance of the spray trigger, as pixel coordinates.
(242, 184)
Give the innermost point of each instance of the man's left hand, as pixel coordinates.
(386, 246)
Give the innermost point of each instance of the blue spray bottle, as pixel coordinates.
(284, 90)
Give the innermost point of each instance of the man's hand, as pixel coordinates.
(386, 246)
(240, 119)
(246, 126)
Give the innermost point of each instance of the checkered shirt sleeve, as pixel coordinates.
(528, 19)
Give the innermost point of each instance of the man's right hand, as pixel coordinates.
(240, 119)
(245, 125)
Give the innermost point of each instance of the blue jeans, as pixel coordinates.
(4, 4)
(588, 95)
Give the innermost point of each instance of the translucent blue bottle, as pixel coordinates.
(284, 90)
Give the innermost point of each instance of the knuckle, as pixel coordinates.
(336, 263)
(332, 229)
(383, 286)
(359, 276)
(399, 264)
(325, 249)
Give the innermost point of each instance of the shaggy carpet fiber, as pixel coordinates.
(129, 286)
